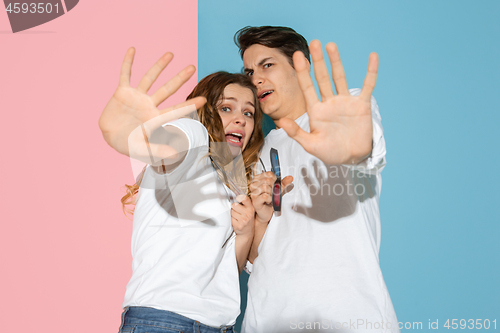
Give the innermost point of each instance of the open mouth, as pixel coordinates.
(235, 138)
(265, 94)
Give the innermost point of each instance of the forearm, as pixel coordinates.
(242, 244)
(259, 231)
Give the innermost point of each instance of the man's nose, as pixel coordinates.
(257, 79)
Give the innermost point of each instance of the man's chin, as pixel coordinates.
(272, 114)
(267, 109)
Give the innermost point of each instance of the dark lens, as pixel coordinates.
(276, 194)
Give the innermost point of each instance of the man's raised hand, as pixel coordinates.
(131, 115)
(340, 125)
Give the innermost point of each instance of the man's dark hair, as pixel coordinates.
(282, 38)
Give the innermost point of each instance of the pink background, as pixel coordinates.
(65, 246)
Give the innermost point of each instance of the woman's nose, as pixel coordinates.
(239, 118)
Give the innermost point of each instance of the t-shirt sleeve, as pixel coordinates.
(197, 136)
(195, 131)
(374, 163)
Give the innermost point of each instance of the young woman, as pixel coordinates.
(191, 231)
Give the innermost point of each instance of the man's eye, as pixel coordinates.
(267, 65)
(249, 73)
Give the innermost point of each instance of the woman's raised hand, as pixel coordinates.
(131, 115)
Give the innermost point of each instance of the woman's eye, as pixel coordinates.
(248, 114)
(225, 109)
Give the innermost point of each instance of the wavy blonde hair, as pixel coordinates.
(212, 88)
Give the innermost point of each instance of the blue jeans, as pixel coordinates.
(138, 319)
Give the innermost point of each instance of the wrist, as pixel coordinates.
(260, 220)
(247, 236)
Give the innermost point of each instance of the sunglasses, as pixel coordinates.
(275, 165)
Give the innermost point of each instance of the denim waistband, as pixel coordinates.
(140, 315)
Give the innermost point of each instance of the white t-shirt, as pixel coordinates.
(318, 266)
(179, 263)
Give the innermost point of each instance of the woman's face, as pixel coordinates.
(237, 111)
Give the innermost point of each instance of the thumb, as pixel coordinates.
(286, 181)
(286, 185)
(243, 199)
(294, 131)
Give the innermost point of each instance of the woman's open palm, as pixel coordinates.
(131, 115)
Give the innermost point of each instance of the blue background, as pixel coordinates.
(438, 91)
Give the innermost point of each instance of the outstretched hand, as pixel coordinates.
(131, 115)
(341, 124)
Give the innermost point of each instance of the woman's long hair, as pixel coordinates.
(212, 88)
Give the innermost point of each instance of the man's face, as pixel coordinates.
(276, 81)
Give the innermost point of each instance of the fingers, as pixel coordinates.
(286, 185)
(173, 85)
(263, 197)
(126, 69)
(305, 82)
(295, 132)
(177, 111)
(243, 208)
(244, 200)
(242, 223)
(261, 188)
(265, 178)
(151, 76)
(371, 77)
(338, 73)
(287, 181)
(320, 70)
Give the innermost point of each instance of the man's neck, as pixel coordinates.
(292, 115)
(291, 110)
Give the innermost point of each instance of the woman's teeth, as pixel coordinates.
(234, 137)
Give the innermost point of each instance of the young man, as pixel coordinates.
(316, 262)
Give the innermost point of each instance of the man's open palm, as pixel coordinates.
(340, 125)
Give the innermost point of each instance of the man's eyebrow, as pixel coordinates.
(262, 62)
